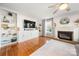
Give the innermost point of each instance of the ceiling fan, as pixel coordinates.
(60, 6)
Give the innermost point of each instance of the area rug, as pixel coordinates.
(55, 48)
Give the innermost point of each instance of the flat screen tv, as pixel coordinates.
(29, 24)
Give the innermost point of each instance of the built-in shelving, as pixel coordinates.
(8, 21)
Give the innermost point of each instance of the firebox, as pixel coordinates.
(67, 35)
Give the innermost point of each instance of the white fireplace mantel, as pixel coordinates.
(75, 31)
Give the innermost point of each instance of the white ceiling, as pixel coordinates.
(37, 10)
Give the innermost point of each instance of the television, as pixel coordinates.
(29, 24)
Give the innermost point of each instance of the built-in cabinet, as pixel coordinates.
(29, 34)
(10, 33)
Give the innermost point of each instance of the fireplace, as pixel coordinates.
(66, 35)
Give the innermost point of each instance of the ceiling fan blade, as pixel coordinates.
(53, 5)
(55, 11)
(60, 4)
(57, 8)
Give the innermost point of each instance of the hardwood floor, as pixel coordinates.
(23, 48)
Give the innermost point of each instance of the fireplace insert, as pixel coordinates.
(67, 35)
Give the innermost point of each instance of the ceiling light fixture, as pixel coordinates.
(63, 6)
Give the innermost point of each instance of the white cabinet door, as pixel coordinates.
(35, 33)
(28, 35)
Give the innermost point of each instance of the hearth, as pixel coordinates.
(65, 35)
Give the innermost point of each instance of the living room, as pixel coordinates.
(31, 29)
